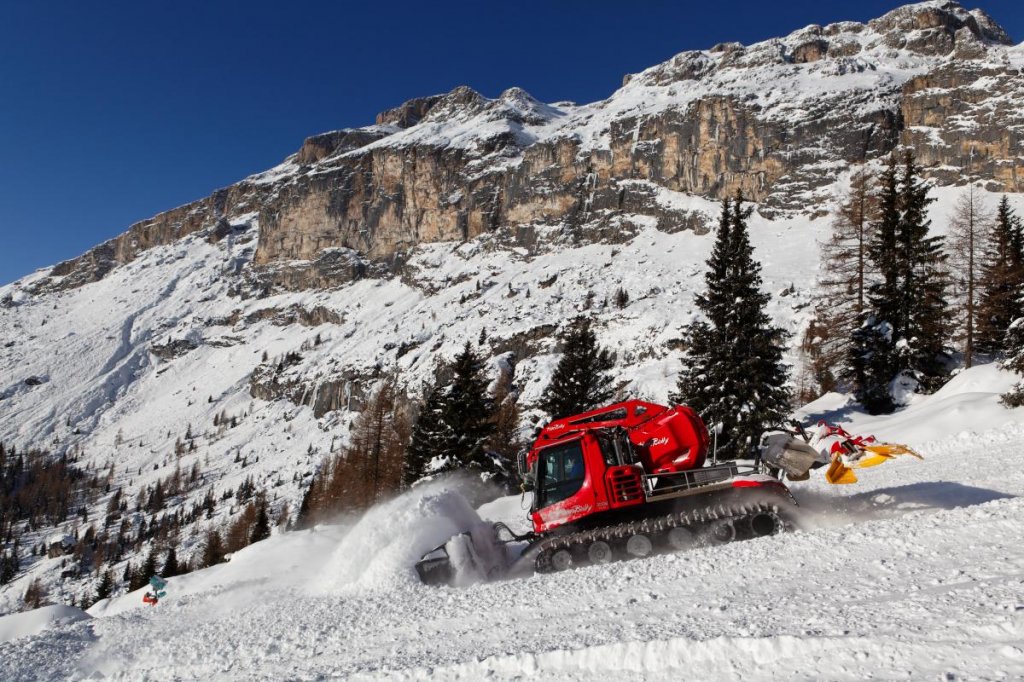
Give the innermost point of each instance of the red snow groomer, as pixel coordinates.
(623, 481)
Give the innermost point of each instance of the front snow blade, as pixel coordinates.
(839, 474)
(883, 452)
(435, 568)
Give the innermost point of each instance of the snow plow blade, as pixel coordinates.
(476, 555)
(435, 568)
(839, 474)
(884, 452)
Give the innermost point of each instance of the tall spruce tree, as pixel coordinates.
(733, 372)
(906, 323)
(1015, 362)
(871, 365)
(148, 569)
(213, 549)
(105, 587)
(581, 381)
(923, 322)
(171, 566)
(260, 527)
(455, 424)
(430, 436)
(1001, 282)
(468, 412)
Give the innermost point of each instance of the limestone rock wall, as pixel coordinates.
(351, 203)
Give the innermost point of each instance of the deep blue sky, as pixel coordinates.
(114, 111)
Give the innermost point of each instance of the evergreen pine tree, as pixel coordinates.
(136, 577)
(149, 567)
(454, 425)
(1015, 362)
(871, 365)
(105, 587)
(468, 413)
(171, 567)
(305, 518)
(1001, 282)
(733, 373)
(430, 436)
(923, 321)
(580, 381)
(9, 565)
(213, 549)
(261, 528)
(905, 325)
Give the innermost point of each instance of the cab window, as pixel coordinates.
(561, 473)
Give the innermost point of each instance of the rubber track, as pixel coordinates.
(654, 528)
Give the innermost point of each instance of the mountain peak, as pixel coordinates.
(935, 26)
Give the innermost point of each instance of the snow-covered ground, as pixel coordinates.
(78, 372)
(916, 572)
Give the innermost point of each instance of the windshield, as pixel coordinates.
(560, 473)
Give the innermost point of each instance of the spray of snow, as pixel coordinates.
(382, 547)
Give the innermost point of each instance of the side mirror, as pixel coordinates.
(528, 475)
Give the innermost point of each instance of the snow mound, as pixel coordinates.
(968, 403)
(383, 546)
(35, 621)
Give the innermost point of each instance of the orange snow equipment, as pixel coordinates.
(883, 452)
(838, 473)
(149, 598)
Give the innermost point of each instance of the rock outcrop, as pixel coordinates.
(778, 121)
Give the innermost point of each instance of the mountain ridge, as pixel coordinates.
(457, 165)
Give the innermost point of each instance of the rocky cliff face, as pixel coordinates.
(778, 120)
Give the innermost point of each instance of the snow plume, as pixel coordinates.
(383, 546)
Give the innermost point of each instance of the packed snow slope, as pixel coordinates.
(917, 572)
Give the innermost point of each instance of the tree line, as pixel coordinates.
(884, 323)
(899, 304)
